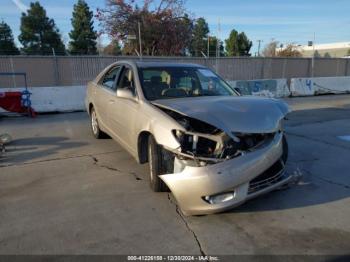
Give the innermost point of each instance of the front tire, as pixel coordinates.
(157, 166)
(95, 128)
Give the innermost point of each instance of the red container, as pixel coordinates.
(12, 102)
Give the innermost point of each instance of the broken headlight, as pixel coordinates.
(195, 144)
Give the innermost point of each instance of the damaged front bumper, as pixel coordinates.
(236, 180)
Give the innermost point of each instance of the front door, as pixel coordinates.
(123, 111)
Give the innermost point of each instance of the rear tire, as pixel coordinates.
(95, 128)
(157, 166)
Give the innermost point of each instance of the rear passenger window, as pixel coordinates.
(109, 78)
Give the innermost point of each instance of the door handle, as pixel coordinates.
(111, 101)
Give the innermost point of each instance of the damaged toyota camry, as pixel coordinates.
(212, 148)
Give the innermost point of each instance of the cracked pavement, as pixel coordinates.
(63, 192)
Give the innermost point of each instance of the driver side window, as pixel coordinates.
(126, 80)
(109, 78)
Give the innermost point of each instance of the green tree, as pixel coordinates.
(186, 35)
(232, 44)
(244, 44)
(327, 55)
(215, 48)
(317, 54)
(82, 35)
(238, 44)
(39, 34)
(7, 44)
(199, 37)
(349, 52)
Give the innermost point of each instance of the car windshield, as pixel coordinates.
(178, 82)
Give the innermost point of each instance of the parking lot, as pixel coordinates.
(63, 192)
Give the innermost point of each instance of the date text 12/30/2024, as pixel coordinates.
(173, 258)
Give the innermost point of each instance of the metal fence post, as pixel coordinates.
(55, 70)
(263, 69)
(337, 72)
(347, 67)
(284, 67)
(13, 76)
(311, 68)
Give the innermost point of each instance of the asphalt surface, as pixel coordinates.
(63, 192)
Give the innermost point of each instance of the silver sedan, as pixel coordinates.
(212, 148)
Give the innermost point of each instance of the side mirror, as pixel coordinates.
(125, 93)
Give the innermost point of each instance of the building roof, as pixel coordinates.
(340, 45)
(339, 49)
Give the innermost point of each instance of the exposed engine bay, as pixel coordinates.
(203, 144)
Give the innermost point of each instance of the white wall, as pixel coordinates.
(263, 87)
(319, 85)
(71, 98)
(55, 99)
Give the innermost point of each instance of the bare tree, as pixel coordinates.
(270, 49)
(165, 26)
(290, 50)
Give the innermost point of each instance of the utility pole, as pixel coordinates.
(55, 66)
(218, 47)
(208, 53)
(140, 42)
(259, 41)
(218, 40)
(313, 57)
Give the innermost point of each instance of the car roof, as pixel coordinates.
(146, 64)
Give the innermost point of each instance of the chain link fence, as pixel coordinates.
(78, 70)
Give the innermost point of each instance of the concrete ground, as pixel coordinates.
(63, 192)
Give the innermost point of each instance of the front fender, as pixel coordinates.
(160, 125)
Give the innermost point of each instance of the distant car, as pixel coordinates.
(213, 148)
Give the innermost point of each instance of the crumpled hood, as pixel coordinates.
(238, 114)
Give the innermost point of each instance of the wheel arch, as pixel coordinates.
(142, 147)
(90, 107)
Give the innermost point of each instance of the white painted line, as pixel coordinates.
(346, 138)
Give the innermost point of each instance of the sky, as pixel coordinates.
(285, 21)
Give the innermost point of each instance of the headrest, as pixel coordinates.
(130, 75)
